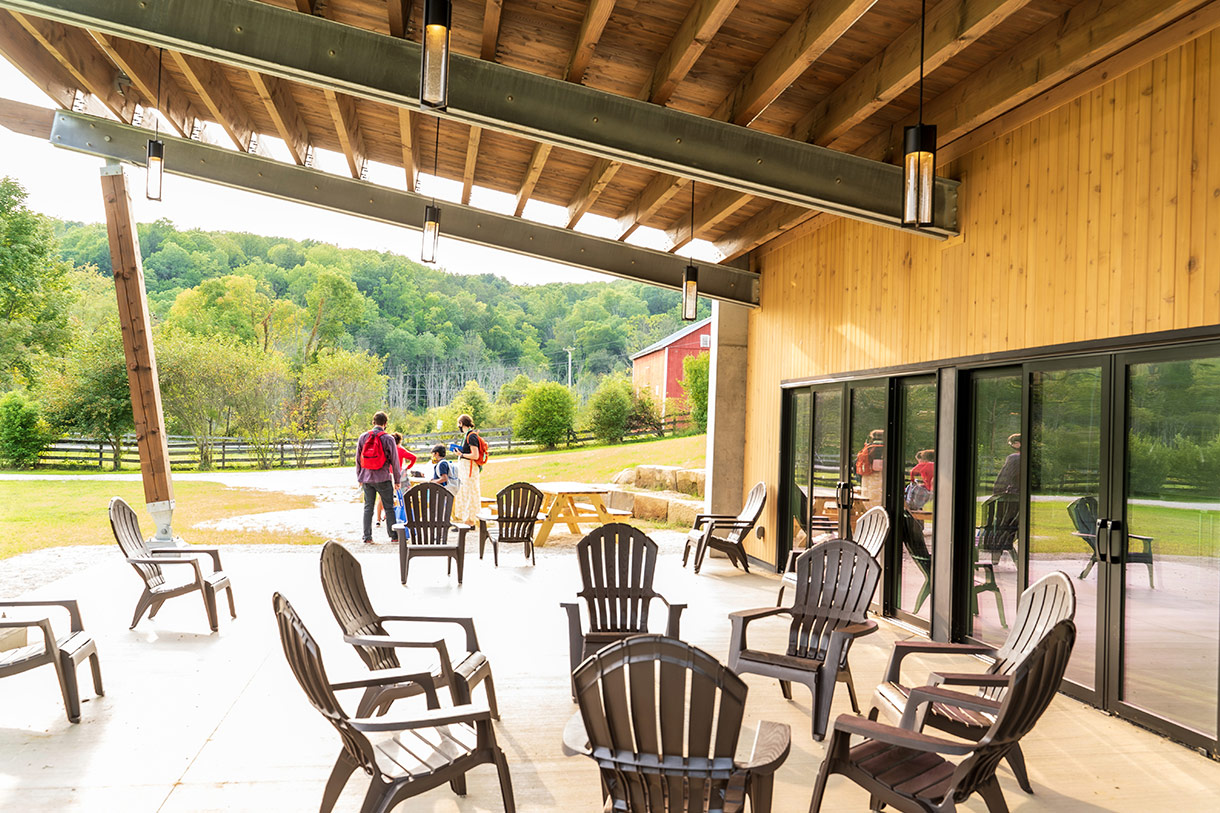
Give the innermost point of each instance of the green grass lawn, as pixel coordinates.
(592, 465)
(1175, 531)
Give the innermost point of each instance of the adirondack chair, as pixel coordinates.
(432, 747)
(834, 583)
(734, 529)
(1041, 607)
(364, 629)
(148, 563)
(901, 767)
(517, 508)
(617, 563)
(871, 530)
(64, 653)
(429, 508)
(1083, 512)
(998, 533)
(917, 548)
(647, 704)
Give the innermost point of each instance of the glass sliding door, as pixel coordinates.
(911, 584)
(794, 530)
(827, 458)
(867, 446)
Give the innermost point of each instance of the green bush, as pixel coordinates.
(546, 414)
(23, 432)
(610, 409)
(1148, 466)
(696, 371)
(645, 416)
(472, 401)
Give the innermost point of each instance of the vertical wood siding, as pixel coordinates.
(1100, 219)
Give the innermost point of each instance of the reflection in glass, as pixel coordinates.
(827, 440)
(867, 442)
(1171, 609)
(1064, 489)
(918, 449)
(799, 451)
(997, 490)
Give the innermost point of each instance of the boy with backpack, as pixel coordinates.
(377, 472)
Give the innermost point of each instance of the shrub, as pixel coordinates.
(644, 417)
(610, 409)
(696, 371)
(472, 401)
(1148, 466)
(546, 414)
(23, 432)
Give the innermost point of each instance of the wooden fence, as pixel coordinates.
(229, 452)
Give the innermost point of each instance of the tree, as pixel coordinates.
(231, 305)
(610, 408)
(33, 288)
(262, 403)
(201, 379)
(472, 401)
(546, 414)
(695, 374)
(23, 432)
(90, 395)
(350, 387)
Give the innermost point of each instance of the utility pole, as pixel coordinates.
(569, 349)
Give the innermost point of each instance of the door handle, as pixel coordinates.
(1115, 529)
(1101, 542)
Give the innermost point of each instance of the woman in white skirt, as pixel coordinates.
(469, 499)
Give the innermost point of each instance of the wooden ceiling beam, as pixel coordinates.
(139, 62)
(398, 13)
(491, 28)
(472, 157)
(595, 182)
(283, 110)
(952, 26)
(652, 197)
(89, 67)
(33, 60)
(711, 210)
(532, 172)
(410, 146)
(347, 125)
(305, 6)
(596, 16)
(210, 84)
(1094, 31)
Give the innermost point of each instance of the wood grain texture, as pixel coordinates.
(1097, 219)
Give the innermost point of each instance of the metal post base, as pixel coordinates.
(163, 513)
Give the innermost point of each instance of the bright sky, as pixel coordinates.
(65, 184)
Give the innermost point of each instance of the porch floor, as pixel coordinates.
(194, 722)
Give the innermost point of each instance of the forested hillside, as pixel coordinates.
(435, 330)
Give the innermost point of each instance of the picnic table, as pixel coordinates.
(573, 504)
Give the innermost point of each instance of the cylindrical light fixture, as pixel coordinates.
(918, 174)
(432, 232)
(156, 165)
(690, 292)
(434, 74)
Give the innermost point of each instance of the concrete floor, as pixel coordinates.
(194, 721)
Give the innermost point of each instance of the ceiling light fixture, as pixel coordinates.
(919, 155)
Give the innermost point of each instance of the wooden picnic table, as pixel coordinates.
(572, 504)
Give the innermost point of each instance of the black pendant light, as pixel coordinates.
(156, 147)
(434, 72)
(690, 277)
(432, 212)
(919, 155)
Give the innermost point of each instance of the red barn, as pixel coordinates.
(658, 367)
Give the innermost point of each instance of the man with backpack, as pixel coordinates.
(378, 473)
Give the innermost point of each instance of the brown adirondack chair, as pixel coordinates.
(148, 563)
(429, 511)
(516, 517)
(64, 653)
(732, 529)
(617, 563)
(432, 747)
(871, 531)
(648, 704)
(364, 629)
(901, 767)
(834, 582)
(1083, 512)
(1040, 608)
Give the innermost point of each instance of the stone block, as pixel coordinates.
(690, 481)
(658, 478)
(650, 506)
(620, 500)
(626, 477)
(645, 476)
(682, 512)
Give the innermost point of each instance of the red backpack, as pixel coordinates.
(476, 442)
(372, 453)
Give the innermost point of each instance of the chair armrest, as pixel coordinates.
(702, 518)
(467, 624)
(760, 612)
(912, 718)
(1140, 538)
(461, 526)
(214, 553)
(44, 624)
(733, 524)
(152, 560)
(737, 633)
(674, 620)
(904, 648)
(853, 631)
(391, 677)
(969, 679)
(432, 718)
(576, 638)
(771, 746)
(68, 604)
(851, 724)
(398, 643)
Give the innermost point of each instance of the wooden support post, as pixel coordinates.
(137, 347)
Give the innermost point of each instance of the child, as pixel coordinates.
(441, 470)
(919, 491)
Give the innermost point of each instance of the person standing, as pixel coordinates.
(870, 466)
(1008, 480)
(469, 498)
(377, 472)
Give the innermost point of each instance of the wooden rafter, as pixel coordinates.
(491, 28)
(343, 113)
(305, 6)
(209, 83)
(399, 14)
(472, 157)
(29, 57)
(410, 158)
(711, 210)
(815, 30)
(591, 28)
(89, 67)
(1082, 36)
(282, 109)
(139, 62)
(692, 37)
(652, 197)
(532, 173)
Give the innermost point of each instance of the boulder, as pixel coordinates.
(619, 500)
(658, 478)
(650, 506)
(690, 481)
(626, 477)
(682, 512)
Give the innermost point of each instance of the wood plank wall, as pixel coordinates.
(1100, 219)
